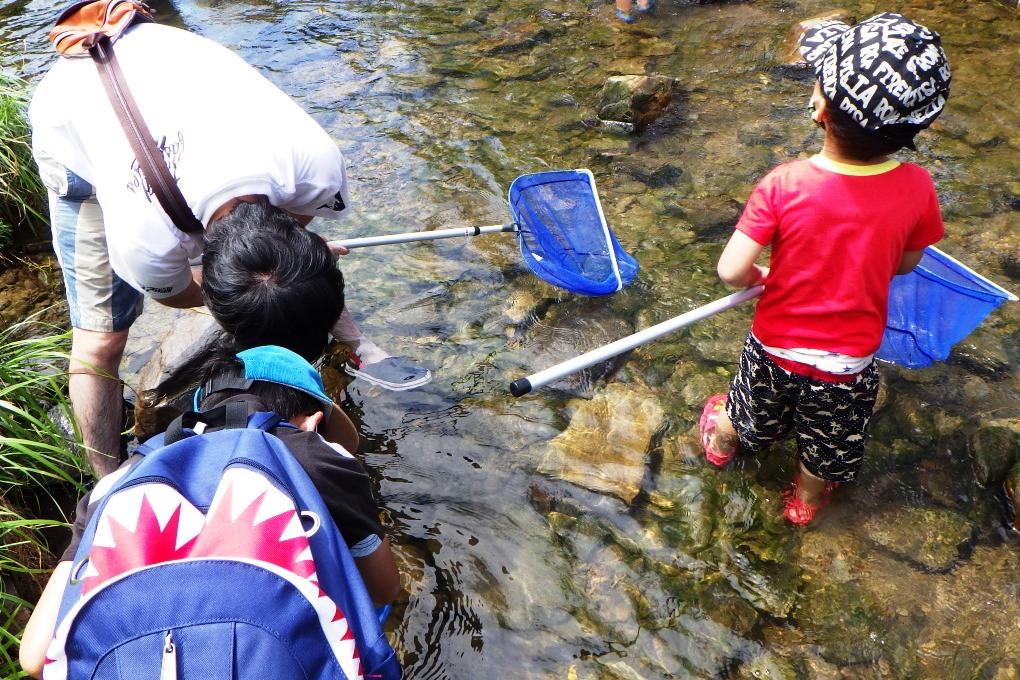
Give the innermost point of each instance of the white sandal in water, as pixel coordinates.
(392, 373)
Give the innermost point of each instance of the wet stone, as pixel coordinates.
(161, 340)
(663, 176)
(993, 450)
(1013, 493)
(604, 447)
(905, 418)
(516, 37)
(603, 575)
(634, 99)
(983, 353)
(524, 305)
(928, 539)
(562, 100)
(719, 339)
(845, 621)
(711, 216)
(699, 387)
(567, 331)
(769, 587)
(687, 508)
(766, 666)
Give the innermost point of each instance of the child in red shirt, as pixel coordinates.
(840, 226)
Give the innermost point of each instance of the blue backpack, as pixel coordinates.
(215, 558)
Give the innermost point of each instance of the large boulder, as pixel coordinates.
(635, 100)
(604, 447)
(161, 340)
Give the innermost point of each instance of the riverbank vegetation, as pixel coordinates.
(41, 470)
(22, 195)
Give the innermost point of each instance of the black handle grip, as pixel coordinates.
(520, 387)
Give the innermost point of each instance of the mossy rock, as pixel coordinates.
(766, 666)
(699, 387)
(688, 512)
(905, 418)
(769, 587)
(845, 621)
(993, 451)
(719, 602)
(929, 539)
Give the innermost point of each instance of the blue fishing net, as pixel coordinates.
(933, 308)
(563, 235)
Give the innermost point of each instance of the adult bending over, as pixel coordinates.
(250, 163)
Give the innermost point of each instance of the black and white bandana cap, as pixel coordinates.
(888, 73)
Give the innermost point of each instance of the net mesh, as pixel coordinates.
(933, 308)
(563, 235)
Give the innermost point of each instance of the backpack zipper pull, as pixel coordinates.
(168, 670)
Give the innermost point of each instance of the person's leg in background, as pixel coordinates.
(102, 308)
(97, 396)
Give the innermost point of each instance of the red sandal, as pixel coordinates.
(797, 511)
(709, 415)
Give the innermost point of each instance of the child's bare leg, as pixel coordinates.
(811, 487)
(724, 438)
(623, 6)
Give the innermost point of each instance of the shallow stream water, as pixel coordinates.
(649, 564)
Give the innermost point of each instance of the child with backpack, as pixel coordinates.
(260, 471)
(840, 225)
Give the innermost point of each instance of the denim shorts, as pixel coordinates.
(98, 299)
(829, 419)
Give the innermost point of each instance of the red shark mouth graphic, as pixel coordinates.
(249, 519)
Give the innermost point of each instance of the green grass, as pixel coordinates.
(34, 451)
(38, 468)
(22, 195)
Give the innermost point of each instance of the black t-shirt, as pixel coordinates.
(340, 479)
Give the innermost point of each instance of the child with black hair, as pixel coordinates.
(265, 378)
(840, 225)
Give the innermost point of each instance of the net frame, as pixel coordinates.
(965, 282)
(624, 267)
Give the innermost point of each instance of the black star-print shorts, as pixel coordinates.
(766, 402)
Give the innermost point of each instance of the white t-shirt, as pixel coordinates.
(224, 130)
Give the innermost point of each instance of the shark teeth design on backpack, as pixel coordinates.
(157, 581)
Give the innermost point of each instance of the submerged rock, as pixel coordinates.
(845, 621)
(604, 447)
(993, 451)
(770, 587)
(765, 666)
(516, 37)
(558, 332)
(791, 53)
(1013, 493)
(984, 353)
(929, 539)
(637, 100)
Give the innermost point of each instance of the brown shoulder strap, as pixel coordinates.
(150, 159)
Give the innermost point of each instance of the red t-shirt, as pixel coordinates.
(838, 233)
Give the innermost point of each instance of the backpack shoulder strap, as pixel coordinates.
(233, 415)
